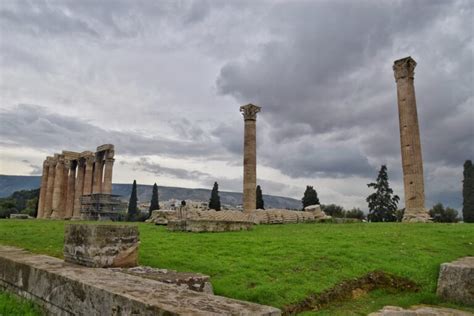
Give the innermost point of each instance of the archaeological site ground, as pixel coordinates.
(284, 265)
(336, 188)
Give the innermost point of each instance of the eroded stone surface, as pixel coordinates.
(161, 217)
(456, 281)
(101, 246)
(249, 112)
(192, 281)
(420, 310)
(279, 216)
(412, 162)
(203, 225)
(317, 212)
(71, 289)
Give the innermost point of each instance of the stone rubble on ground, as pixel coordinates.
(419, 310)
(456, 281)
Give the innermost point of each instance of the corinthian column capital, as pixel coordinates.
(250, 111)
(404, 68)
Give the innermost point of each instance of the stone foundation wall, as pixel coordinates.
(201, 225)
(270, 216)
(68, 289)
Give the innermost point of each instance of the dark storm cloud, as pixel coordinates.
(146, 165)
(329, 73)
(35, 127)
(321, 70)
(103, 19)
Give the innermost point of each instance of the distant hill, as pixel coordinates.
(10, 184)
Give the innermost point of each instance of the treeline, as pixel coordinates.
(24, 201)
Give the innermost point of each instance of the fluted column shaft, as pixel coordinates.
(58, 189)
(81, 168)
(250, 157)
(48, 203)
(71, 183)
(98, 165)
(88, 176)
(43, 189)
(109, 165)
(412, 162)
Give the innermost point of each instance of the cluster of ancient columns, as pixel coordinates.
(70, 175)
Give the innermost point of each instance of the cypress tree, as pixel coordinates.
(468, 192)
(154, 204)
(215, 200)
(132, 204)
(310, 197)
(382, 205)
(260, 202)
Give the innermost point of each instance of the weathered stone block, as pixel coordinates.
(101, 246)
(191, 281)
(456, 281)
(68, 289)
(161, 217)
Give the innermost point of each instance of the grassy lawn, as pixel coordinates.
(281, 264)
(12, 305)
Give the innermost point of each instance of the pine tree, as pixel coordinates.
(310, 197)
(215, 200)
(260, 202)
(468, 193)
(154, 204)
(382, 205)
(132, 204)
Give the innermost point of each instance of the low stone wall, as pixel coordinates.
(101, 246)
(456, 281)
(192, 281)
(68, 289)
(202, 225)
(277, 216)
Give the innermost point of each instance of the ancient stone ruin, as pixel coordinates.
(412, 163)
(456, 281)
(83, 285)
(73, 183)
(101, 246)
(249, 112)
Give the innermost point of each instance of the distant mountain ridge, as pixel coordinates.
(10, 184)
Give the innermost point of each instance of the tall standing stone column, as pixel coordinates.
(109, 165)
(58, 189)
(89, 163)
(43, 189)
(249, 112)
(71, 186)
(81, 168)
(412, 163)
(98, 166)
(48, 203)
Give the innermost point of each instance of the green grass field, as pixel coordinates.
(12, 305)
(281, 264)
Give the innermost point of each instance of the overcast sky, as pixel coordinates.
(164, 80)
